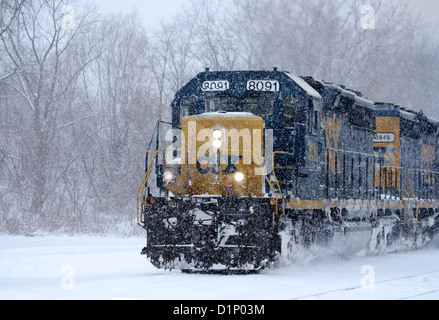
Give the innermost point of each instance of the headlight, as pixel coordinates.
(217, 144)
(217, 134)
(168, 176)
(239, 177)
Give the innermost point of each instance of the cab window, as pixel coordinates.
(291, 106)
(313, 118)
(220, 103)
(188, 107)
(260, 106)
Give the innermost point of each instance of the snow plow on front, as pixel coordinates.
(258, 167)
(201, 234)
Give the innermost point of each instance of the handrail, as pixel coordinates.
(411, 205)
(272, 190)
(277, 182)
(414, 197)
(148, 167)
(274, 173)
(409, 177)
(143, 186)
(156, 134)
(156, 129)
(143, 183)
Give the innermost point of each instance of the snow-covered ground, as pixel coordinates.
(58, 267)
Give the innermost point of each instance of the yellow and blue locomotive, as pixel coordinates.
(262, 166)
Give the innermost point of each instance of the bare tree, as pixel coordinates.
(79, 96)
(215, 42)
(126, 110)
(325, 39)
(9, 11)
(171, 60)
(37, 47)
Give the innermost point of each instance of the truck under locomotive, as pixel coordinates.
(259, 167)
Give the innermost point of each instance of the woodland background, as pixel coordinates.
(79, 95)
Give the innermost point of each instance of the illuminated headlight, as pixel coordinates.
(239, 177)
(168, 176)
(217, 144)
(217, 134)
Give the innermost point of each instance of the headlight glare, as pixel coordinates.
(239, 177)
(217, 134)
(168, 176)
(217, 144)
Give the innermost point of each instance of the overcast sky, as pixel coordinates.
(154, 10)
(429, 8)
(151, 11)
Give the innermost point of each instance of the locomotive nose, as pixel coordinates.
(224, 149)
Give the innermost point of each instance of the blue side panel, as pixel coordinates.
(387, 113)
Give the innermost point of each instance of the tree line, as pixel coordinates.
(80, 91)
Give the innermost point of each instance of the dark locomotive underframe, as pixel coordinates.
(176, 234)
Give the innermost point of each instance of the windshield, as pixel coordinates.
(291, 107)
(260, 106)
(188, 107)
(215, 104)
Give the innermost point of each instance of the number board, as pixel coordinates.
(219, 85)
(263, 85)
(384, 137)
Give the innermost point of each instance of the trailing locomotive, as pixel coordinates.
(262, 166)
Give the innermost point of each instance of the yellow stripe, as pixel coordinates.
(308, 204)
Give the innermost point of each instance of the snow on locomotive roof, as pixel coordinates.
(227, 114)
(396, 110)
(305, 86)
(357, 96)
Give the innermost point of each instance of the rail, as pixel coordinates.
(155, 135)
(274, 193)
(277, 181)
(411, 189)
(150, 159)
(413, 193)
(405, 204)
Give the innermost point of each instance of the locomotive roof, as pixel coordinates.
(226, 114)
(238, 79)
(327, 88)
(305, 86)
(391, 109)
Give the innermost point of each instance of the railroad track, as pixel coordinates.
(405, 292)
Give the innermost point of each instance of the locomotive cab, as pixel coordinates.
(288, 109)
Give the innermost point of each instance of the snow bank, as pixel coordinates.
(109, 268)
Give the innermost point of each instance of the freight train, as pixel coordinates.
(261, 167)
